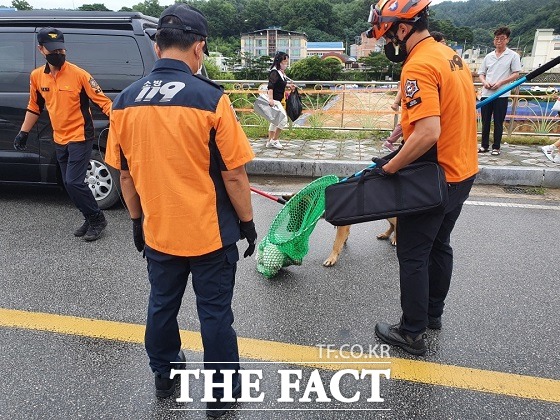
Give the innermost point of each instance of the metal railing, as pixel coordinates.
(342, 105)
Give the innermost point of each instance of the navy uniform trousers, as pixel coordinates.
(213, 279)
(426, 259)
(73, 159)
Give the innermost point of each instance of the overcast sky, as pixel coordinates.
(110, 4)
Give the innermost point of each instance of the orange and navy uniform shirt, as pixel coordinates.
(436, 82)
(66, 97)
(176, 132)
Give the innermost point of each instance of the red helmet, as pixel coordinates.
(386, 12)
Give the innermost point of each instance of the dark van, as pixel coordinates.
(114, 47)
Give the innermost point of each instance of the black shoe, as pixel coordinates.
(392, 334)
(82, 230)
(97, 223)
(165, 387)
(434, 322)
(218, 408)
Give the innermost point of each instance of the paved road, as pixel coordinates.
(71, 316)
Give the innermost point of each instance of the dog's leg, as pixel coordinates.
(393, 222)
(342, 233)
(387, 233)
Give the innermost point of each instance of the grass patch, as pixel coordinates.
(537, 190)
(528, 140)
(313, 134)
(256, 132)
(261, 131)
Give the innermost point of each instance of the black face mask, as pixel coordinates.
(396, 49)
(56, 59)
(391, 52)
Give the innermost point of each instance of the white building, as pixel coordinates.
(546, 46)
(266, 42)
(473, 58)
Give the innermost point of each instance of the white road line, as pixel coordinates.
(512, 205)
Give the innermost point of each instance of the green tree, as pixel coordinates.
(377, 65)
(227, 46)
(298, 14)
(21, 5)
(149, 8)
(314, 68)
(223, 19)
(256, 15)
(212, 68)
(96, 7)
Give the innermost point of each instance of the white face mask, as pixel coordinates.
(199, 71)
(200, 67)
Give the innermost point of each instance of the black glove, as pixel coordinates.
(248, 232)
(138, 234)
(21, 140)
(379, 163)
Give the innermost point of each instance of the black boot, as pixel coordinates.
(165, 387)
(97, 223)
(82, 230)
(392, 334)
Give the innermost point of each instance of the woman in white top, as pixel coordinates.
(277, 82)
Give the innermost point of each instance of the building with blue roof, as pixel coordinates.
(321, 48)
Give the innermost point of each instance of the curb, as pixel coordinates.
(489, 175)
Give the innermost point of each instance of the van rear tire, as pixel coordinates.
(103, 181)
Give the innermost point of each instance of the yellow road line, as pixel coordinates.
(404, 369)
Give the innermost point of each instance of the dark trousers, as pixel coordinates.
(213, 278)
(426, 259)
(73, 159)
(498, 108)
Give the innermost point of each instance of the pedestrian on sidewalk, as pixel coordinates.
(439, 125)
(182, 156)
(65, 89)
(498, 68)
(396, 134)
(551, 151)
(277, 84)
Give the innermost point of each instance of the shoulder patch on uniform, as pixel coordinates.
(210, 82)
(94, 85)
(411, 88)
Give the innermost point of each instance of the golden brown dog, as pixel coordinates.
(342, 233)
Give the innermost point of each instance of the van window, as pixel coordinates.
(113, 60)
(16, 61)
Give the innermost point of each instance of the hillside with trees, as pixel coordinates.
(468, 23)
(523, 17)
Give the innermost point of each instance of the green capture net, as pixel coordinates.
(287, 241)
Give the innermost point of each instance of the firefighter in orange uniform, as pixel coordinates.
(65, 90)
(181, 153)
(439, 125)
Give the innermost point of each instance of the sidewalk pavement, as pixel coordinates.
(516, 165)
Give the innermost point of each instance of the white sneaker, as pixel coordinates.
(557, 158)
(274, 143)
(548, 150)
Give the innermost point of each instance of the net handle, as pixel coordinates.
(358, 173)
(270, 197)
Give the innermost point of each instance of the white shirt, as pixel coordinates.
(496, 68)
